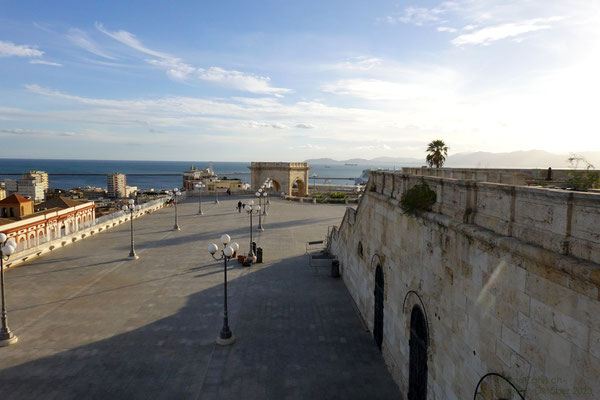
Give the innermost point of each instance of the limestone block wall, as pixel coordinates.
(508, 278)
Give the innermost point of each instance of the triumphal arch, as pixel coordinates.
(290, 178)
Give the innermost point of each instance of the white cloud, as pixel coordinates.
(178, 70)
(53, 64)
(130, 40)
(239, 80)
(26, 132)
(9, 49)
(360, 63)
(81, 39)
(417, 16)
(446, 29)
(423, 16)
(401, 84)
(491, 34)
(256, 124)
(303, 125)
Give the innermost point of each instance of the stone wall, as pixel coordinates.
(508, 279)
(511, 176)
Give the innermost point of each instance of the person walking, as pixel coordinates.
(239, 207)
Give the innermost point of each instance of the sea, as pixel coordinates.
(13, 168)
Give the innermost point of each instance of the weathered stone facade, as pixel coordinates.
(507, 277)
(283, 174)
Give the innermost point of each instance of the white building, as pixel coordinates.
(130, 191)
(30, 188)
(116, 185)
(39, 176)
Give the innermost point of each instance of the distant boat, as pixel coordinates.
(351, 164)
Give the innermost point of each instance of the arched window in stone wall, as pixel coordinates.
(378, 315)
(417, 370)
(494, 386)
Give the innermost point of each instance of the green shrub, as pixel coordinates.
(318, 196)
(582, 180)
(417, 199)
(337, 195)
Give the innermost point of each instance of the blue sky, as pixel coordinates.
(282, 80)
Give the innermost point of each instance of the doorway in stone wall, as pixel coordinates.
(378, 315)
(417, 372)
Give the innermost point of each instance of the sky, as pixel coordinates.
(286, 81)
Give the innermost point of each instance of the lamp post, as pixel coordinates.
(225, 335)
(131, 208)
(175, 194)
(7, 247)
(259, 195)
(265, 202)
(251, 209)
(314, 176)
(200, 186)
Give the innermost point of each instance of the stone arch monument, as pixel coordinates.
(284, 176)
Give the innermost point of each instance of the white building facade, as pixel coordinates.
(116, 185)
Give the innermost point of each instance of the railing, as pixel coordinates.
(72, 230)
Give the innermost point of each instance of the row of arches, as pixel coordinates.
(53, 231)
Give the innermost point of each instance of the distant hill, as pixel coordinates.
(400, 161)
(480, 159)
(517, 159)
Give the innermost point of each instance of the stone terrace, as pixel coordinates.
(92, 324)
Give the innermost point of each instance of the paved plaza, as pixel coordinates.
(93, 324)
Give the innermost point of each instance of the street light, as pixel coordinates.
(269, 186)
(259, 195)
(175, 194)
(200, 186)
(314, 176)
(225, 336)
(265, 199)
(131, 208)
(251, 209)
(7, 247)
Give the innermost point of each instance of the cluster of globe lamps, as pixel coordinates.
(175, 194)
(131, 208)
(225, 337)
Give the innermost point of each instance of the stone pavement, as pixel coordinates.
(93, 324)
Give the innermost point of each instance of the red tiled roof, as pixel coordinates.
(60, 202)
(15, 198)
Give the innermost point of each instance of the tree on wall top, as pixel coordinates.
(437, 152)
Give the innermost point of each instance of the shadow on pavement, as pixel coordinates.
(298, 337)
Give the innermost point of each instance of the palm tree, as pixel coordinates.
(438, 151)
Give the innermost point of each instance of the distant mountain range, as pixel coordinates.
(480, 159)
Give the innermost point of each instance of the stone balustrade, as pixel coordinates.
(261, 164)
(563, 221)
(510, 176)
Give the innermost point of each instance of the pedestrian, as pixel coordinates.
(239, 207)
(229, 191)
